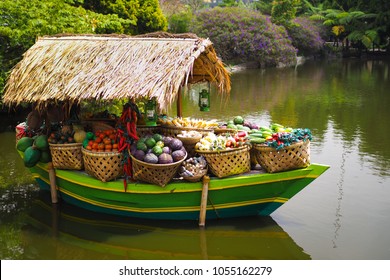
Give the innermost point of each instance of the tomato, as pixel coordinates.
(101, 146)
(228, 143)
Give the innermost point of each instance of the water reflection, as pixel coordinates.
(73, 233)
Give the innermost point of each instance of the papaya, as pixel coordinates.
(45, 157)
(79, 136)
(31, 156)
(24, 143)
(41, 143)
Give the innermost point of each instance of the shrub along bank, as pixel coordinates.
(241, 35)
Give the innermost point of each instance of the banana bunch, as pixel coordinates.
(189, 122)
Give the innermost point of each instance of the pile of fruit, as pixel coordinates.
(101, 141)
(212, 142)
(35, 150)
(278, 136)
(188, 122)
(238, 123)
(63, 136)
(193, 167)
(158, 149)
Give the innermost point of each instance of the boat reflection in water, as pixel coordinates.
(63, 231)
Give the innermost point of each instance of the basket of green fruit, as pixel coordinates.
(156, 159)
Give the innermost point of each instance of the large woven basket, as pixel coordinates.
(228, 162)
(175, 130)
(158, 174)
(105, 166)
(67, 156)
(291, 157)
(189, 144)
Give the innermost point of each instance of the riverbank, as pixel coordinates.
(10, 118)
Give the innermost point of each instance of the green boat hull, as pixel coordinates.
(250, 194)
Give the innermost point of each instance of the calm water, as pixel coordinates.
(344, 214)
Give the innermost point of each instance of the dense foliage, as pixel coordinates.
(22, 21)
(268, 31)
(243, 34)
(306, 36)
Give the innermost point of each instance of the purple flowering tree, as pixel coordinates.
(242, 35)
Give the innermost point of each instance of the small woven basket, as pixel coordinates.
(196, 178)
(105, 166)
(175, 130)
(228, 162)
(291, 157)
(67, 156)
(158, 174)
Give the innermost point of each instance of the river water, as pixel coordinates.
(344, 214)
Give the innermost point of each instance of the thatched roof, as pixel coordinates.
(81, 67)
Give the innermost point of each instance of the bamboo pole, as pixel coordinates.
(179, 108)
(203, 202)
(53, 185)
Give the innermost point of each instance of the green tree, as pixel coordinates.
(21, 21)
(283, 11)
(146, 14)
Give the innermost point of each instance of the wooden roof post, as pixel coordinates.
(179, 109)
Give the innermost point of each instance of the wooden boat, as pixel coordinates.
(70, 69)
(80, 234)
(250, 194)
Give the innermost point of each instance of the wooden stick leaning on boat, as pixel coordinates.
(53, 185)
(203, 202)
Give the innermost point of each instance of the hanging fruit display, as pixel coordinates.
(34, 150)
(127, 135)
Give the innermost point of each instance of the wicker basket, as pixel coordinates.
(158, 174)
(67, 156)
(224, 130)
(144, 130)
(197, 177)
(104, 166)
(228, 162)
(189, 144)
(173, 131)
(291, 157)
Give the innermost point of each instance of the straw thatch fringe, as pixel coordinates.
(74, 68)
